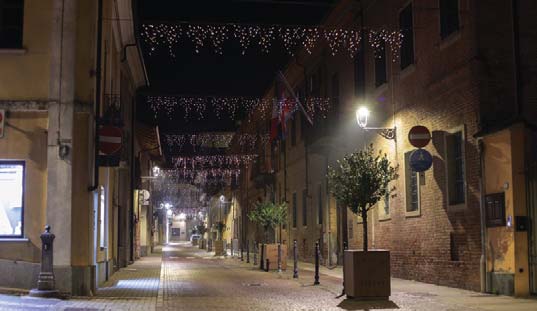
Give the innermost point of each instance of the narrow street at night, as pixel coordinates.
(187, 278)
(268, 155)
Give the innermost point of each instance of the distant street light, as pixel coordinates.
(362, 117)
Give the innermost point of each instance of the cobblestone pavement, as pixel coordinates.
(186, 278)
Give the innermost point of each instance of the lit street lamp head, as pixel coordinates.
(362, 114)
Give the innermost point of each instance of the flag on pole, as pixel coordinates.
(281, 78)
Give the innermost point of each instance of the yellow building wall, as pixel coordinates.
(82, 199)
(26, 139)
(507, 250)
(26, 76)
(85, 50)
(500, 248)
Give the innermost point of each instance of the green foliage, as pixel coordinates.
(269, 214)
(219, 226)
(200, 229)
(361, 179)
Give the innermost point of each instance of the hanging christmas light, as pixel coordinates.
(291, 37)
(224, 106)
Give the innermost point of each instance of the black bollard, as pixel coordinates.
(247, 251)
(316, 282)
(295, 260)
(262, 256)
(344, 249)
(267, 266)
(242, 254)
(279, 257)
(45, 281)
(255, 253)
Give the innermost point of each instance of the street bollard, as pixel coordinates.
(45, 281)
(255, 253)
(247, 251)
(279, 257)
(316, 282)
(242, 254)
(267, 266)
(345, 247)
(262, 256)
(295, 260)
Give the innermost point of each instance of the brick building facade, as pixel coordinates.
(454, 74)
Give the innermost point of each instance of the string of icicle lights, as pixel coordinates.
(214, 36)
(197, 107)
(215, 139)
(204, 176)
(232, 160)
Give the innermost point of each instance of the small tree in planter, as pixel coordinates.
(359, 182)
(219, 246)
(270, 215)
(201, 229)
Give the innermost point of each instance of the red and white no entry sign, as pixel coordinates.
(419, 136)
(110, 138)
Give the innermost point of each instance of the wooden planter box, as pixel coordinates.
(219, 248)
(367, 274)
(271, 252)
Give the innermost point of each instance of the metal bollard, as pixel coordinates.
(247, 251)
(345, 247)
(295, 260)
(45, 281)
(255, 253)
(279, 257)
(262, 256)
(242, 254)
(316, 282)
(267, 266)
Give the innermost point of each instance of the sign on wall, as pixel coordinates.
(2, 122)
(419, 136)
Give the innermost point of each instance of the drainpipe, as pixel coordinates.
(484, 276)
(97, 111)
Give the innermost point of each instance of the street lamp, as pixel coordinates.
(362, 116)
(156, 170)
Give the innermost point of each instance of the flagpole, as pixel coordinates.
(290, 90)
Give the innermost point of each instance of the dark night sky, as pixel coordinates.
(208, 73)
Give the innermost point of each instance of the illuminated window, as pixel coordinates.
(102, 217)
(11, 198)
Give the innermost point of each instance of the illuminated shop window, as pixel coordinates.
(11, 198)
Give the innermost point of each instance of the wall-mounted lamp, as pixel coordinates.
(362, 116)
(156, 170)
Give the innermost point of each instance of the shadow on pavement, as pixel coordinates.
(353, 304)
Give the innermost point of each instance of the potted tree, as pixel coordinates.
(358, 182)
(270, 215)
(219, 247)
(200, 229)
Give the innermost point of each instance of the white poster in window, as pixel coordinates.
(11, 192)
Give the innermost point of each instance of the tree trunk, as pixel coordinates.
(266, 234)
(364, 225)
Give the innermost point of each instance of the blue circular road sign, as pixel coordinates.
(420, 160)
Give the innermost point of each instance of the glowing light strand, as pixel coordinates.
(227, 106)
(291, 37)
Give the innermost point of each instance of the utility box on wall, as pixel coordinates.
(495, 209)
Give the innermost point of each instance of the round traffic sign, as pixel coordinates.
(419, 136)
(420, 160)
(110, 138)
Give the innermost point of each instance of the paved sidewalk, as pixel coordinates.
(187, 278)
